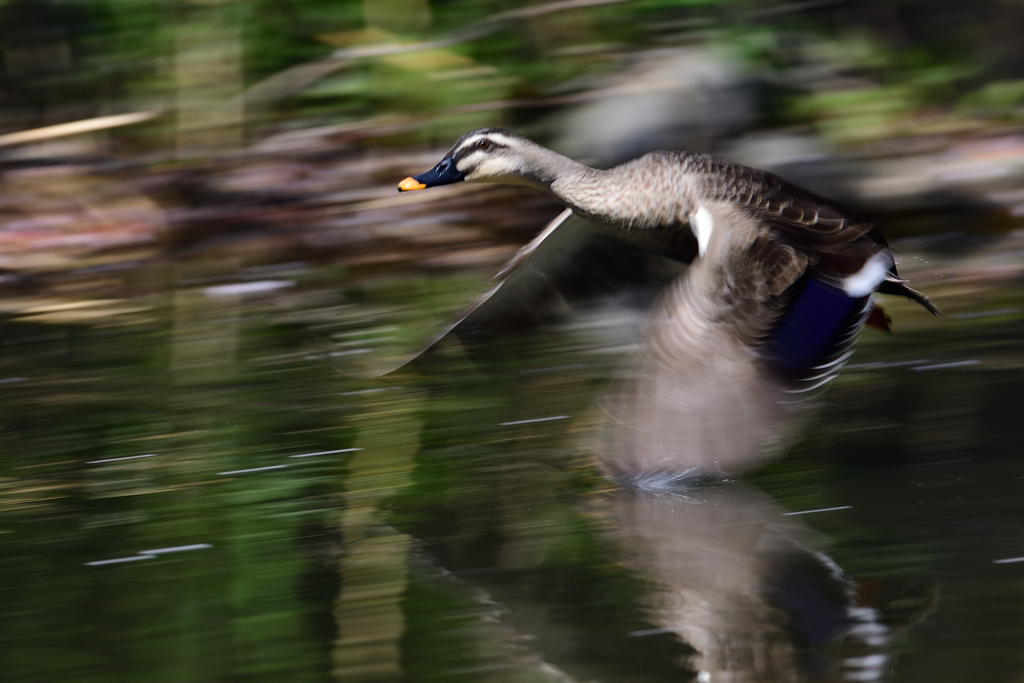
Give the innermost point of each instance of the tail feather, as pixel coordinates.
(898, 287)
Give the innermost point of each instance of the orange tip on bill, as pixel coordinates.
(410, 184)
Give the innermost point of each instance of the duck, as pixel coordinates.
(775, 284)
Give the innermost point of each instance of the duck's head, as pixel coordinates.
(485, 155)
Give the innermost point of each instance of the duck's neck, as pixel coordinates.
(583, 189)
(617, 198)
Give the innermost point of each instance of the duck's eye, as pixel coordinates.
(483, 144)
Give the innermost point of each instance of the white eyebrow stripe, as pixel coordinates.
(493, 137)
(501, 139)
(470, 142)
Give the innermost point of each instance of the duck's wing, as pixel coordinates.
(839, 244)
(801, 216)
(697, 401)
(568, 265)
(523, 296)
(730, 351)
(799, 316)
(543, 237)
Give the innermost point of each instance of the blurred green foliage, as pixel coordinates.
(508, 510)
(854, 70)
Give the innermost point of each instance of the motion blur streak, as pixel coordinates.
(203, 260)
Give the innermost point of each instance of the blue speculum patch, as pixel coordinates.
(820, 317)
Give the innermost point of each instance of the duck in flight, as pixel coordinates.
(778, 281)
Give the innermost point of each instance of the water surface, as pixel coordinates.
(198, 484)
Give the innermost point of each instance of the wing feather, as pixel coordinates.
(806, 220)
(568, 265)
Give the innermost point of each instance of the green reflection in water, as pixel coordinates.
(453, 545)
(373, 567)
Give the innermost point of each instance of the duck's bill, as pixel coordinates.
(445, 173)
(410, 183)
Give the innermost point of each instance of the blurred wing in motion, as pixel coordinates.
(695, 402)
(841, 245)
(729, 355)
(570, 265)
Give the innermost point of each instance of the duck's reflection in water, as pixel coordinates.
(737, 581)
